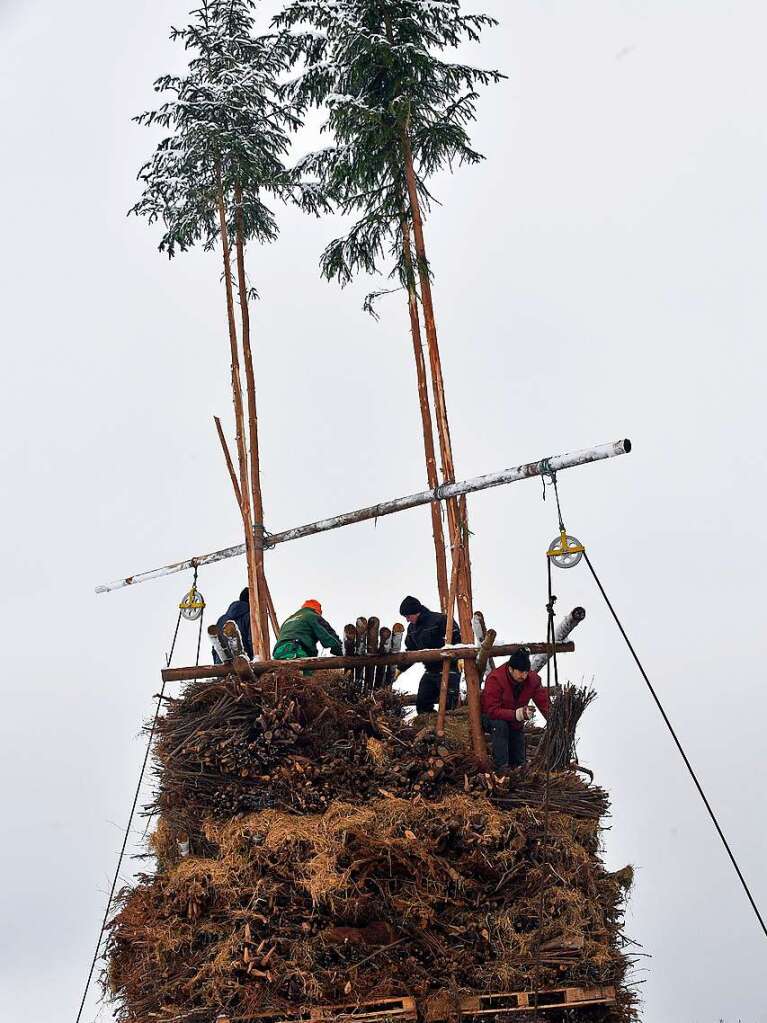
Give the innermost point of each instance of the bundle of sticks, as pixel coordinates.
(556, 751)
(314, 848)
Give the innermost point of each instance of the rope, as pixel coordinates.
(173, 644)
(262, 536)
(550, 638)
(136, 794)
(199, 639)
(547, 471)
(682, 753)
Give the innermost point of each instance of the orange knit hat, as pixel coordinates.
(314, 605)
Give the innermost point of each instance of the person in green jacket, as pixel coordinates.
(301, 633)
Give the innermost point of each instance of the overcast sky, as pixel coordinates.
(601, 275)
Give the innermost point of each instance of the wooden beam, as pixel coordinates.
(442, 493)
(402, 660)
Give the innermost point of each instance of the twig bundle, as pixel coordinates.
(557, 748)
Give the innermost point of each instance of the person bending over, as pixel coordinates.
(301, 633)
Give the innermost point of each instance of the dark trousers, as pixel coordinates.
(428, 691)
(508, 744)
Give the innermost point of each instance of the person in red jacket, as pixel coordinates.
(506, 704)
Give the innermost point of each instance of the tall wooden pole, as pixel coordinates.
(435, 362)
(457, 529)
(262, 602)
(238, 497)
(445, 678)
(463, 512)
(426, 423)
(255, 619)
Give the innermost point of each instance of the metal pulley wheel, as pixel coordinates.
(566, 551)
(192, 606)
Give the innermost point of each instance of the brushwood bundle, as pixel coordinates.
(314, 848)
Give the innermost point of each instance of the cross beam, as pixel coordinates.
(544, 467)
(403, 660)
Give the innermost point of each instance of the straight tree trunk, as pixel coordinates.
(426, 423)
(253, 579)
(438, 385)
(262, 599)
(463, 512)
(238, 497)
(458, 532)
(442, 710)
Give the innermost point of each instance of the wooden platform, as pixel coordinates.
(481, 1008)
(399, 1009)
(471, 1009)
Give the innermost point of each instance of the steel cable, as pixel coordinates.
(550, 638)
(120, 858)
(679, 746)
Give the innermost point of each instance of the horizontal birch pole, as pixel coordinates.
(544, 467)
(562, 631)
(403, 660)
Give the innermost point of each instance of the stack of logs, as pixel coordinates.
(313, 848)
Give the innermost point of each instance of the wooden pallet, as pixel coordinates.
(472, 1009)
(402, 1010)
(484, 1008)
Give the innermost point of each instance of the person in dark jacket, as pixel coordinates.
(506, 704)
(301, 633)
(426, 631)
(239, 612)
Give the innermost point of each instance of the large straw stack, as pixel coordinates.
(339, 854)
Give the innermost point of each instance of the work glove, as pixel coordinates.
(525, 713)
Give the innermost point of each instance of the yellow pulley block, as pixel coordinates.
(566, 551)
(192, 605)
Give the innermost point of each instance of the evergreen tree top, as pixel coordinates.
(227, 124)
(378, 66)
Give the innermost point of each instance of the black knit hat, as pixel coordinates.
(520, 660)
(410, 606)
